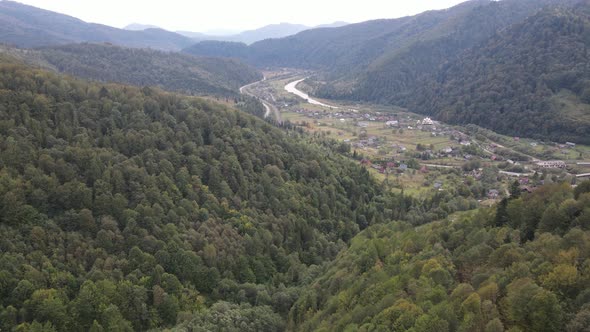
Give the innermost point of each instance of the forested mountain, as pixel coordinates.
(352, 48)
(26, 26)
(525, 267)
(170, 71)
(222, 49)
(531, 80)
(124, 208)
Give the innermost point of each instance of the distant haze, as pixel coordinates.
(232, 14)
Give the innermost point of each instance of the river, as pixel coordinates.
(292, 88)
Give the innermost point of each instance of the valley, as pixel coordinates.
(414, 154)
(425, 173)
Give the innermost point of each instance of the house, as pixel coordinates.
(393, 123)
(427, 122)
(403, 167)
(570, 144)
(493, 194)
(465, 143)
(447, 150)
(438, 185)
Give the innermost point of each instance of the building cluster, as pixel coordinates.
(551, 164)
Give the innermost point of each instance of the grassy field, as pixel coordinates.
(350, 130)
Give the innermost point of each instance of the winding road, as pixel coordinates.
(269, 108)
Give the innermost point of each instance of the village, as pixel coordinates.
(417, 154)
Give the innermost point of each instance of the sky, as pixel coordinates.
(202, 16)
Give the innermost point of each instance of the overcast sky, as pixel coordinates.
(200, 15)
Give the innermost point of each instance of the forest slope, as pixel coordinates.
(530, 80)
(171, 71)
(142, 67)
(124, 208)
(524, 268)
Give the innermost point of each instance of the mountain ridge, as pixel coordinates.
(175, 72)
(270, 31)
(28, 26)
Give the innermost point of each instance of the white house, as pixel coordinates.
(427, 122)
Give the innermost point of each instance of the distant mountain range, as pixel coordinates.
(140, 27)
(27, 26)
(275, 31)
(248, 37)
(420, 62)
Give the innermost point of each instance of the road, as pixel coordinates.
(516, 174)
(439, 166)
(251, 84)
(269, 108)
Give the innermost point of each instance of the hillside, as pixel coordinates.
(354, 48)
(475, 272)
(27, 26)
(170, 71)
(124, 208)
(223, 49)
(532, 79)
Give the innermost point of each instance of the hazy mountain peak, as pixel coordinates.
(140, 27)
(336, 24)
